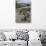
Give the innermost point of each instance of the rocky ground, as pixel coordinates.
(20, 16)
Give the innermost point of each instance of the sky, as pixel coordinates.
(24, 1)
